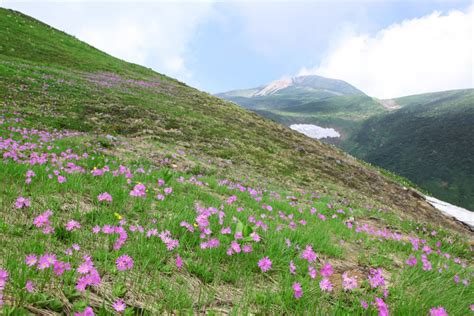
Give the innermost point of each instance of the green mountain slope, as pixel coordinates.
(290, 91)
(429, 140)
(122, 188)
(314, 100)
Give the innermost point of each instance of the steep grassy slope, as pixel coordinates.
(156, 111)
(428, 141)
(176, 210)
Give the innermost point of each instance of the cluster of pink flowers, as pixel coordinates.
(309, 254)
(411, 261)
(104, 197)
(123, 236)
(42, 221)
(349, 283)
(169, 242)
(298, 290)
(139, 190)
(381, 306)
(22, 202)
(72, 225)
(376, 278)
(325, 285)
(89, 275)
(29, 174)
(426, 263)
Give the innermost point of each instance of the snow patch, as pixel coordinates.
(457, 212)
(274, 86)
(315, 131)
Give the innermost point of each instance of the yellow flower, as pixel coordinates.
(195, 225)
(119, 217)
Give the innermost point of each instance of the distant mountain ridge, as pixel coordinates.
(326, 102)
(312, 86)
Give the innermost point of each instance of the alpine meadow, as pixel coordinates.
(124, 191)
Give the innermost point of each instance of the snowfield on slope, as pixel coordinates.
(315, 131)
(457, 212)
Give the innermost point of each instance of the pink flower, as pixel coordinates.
(292, 267)
(376, 278)
(231, 199)
(247, 248)
(88, 311)
(255, 237)
(30, 286)
(124, 262)
(168, 191)
(46, 261)
(348, 283)
(104, 197)
(119, 305)
(3, 279)
(325, 285)
(139, 190)
(309, 254)
(312, 272)
(59, 267)
(327, 270)
(438, 311)
(364, 304)
(226, 230)
(235, 246)
(91, 277)
(31, 260)
(381, 306)
(298, 291)
(61, 179)
(22, 202)
(456, 278)
(411, 261)
(265, 264)
(426, 263)
(72, 225)
(179, 262)
(43, 219)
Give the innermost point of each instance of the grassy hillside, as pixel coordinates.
(429, 141)
(125, 189)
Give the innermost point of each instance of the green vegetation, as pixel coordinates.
(141, 173)
(429, 141)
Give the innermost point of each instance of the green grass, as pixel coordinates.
(193, 141)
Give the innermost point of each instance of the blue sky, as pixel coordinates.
(385, 48)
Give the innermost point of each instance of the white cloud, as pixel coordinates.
(156, 34)
(431, 53)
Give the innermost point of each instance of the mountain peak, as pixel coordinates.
(297, 85)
